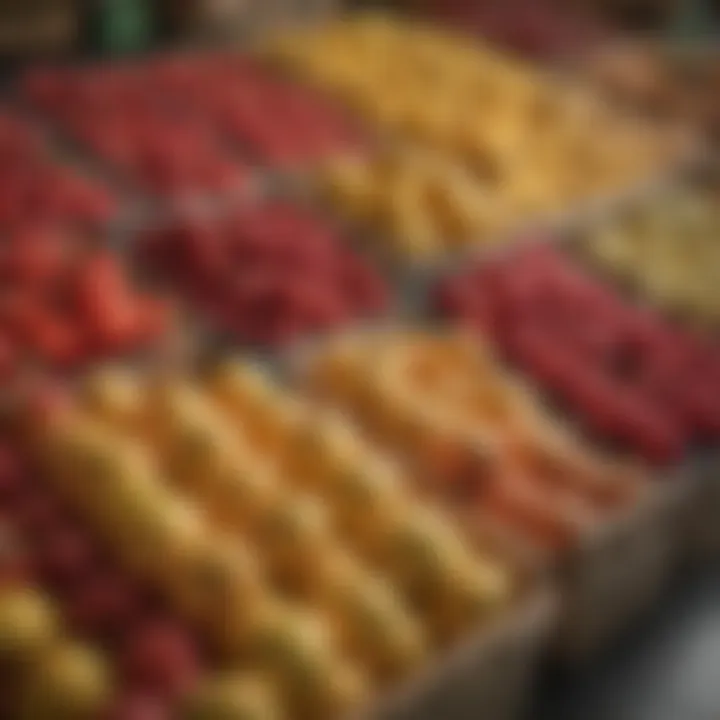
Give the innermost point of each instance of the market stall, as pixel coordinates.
(357, 368)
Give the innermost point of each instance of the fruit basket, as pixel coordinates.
(212, 477)
(611, 561)
(456, 173)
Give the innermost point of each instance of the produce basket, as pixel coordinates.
(485, 654)
(617, 570)
(444, 197)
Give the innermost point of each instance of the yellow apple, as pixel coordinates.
(28, 626)
(115, 396)
(71, 682)
(374, 622)
(233, 696)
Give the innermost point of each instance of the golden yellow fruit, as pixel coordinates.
(220, 584)
(71, 682)
(480, 590)
(375, 624)
(233, 696)
(115, 396)
(297, 649)
(289, 535)
(28, 626)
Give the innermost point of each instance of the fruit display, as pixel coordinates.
(666, 250)
(431, 461)
(473, 433)
(266, 273)
(128, 123)
(217, 492)
(36, 186)
(99, 635)
(276, 122)
(180, 126)
(66, 303)
(54, 677)
(415, 204)
(537, 143)
(637, 381)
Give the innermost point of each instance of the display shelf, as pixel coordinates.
(666, 670)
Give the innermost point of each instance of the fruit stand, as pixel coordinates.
(324, 400)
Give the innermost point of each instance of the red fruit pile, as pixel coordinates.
(167, 124)
(155, 140)
(628, 375)
(156, 656)
(34, 186)
(65, 305)
(279, 123)
(18, 140)
(267, 274)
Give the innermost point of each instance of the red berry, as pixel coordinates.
(103, 605)
(162, 657)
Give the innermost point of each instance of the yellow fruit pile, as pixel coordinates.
(415, 203)
(534, 145)
(274, 529)
(669, 251)
(55, 676)
(467, 428)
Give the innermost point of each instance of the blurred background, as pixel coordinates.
(31, 28)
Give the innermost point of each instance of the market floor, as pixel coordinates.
(668, 669)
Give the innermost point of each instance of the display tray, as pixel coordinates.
(667, 669)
